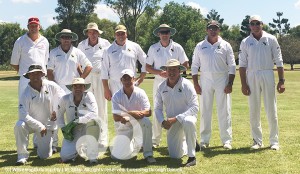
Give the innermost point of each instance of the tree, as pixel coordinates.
(75, 14)
(189, 23)
(295, 31)
(213, 15)
(290, 50)
(245, 30)
(130, 11)
(9, 33)
(280, 26)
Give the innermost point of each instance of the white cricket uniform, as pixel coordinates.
(216, 62)
(259, 57)
(35, 110)
(181, 102)
(27, 52)
(86, 112)
(64, 65)
(95, 55)
(158, 56)
(138, 101)
(117, 58)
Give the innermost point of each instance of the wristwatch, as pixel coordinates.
(230, 83)
(282, 80)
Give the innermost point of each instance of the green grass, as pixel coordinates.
(214, 160)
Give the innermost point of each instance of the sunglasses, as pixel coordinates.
(33, 20)
(66, 37)
(213, 28)
(255, 23)
(165, 32)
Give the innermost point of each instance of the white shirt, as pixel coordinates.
(94, 53)
(26, 52)
(216, 58)
(260, 55)
(138, 101)
(86, 111)
(159, 55)
(36, 107)
(117, 58)
(179, 101)
(64, 65)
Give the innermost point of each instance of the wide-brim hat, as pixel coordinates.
(92, 26)
(173, 62)
(33, 68)
(78, 81)
(164, 26)
(66, 32)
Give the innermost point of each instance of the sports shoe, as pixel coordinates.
(203, 146)
(256, 145)
(150, 159)
(93, 161)
(155, 146)
(227, 146)
(54, 149)
(275, 147)
(197, 149)
(190, 162)
(21, 161)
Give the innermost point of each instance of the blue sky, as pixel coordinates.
(233, 11)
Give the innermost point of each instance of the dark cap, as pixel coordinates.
(213, 23)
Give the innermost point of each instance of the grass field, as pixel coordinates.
(213, 160)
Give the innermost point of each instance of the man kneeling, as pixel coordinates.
(131, 107)
(81, 118)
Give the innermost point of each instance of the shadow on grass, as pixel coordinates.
(219, 150)
(10, 78)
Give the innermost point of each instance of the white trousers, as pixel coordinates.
(98, 91)
(181, 138)
(262, 83)
(156, 127)
(44, 144)
(214, 84)
(69, 151)
(138, 138)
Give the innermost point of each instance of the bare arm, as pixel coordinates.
(107, 92)
(140, 114)
(196, 84)
(16, 67)
(245, 88)
(280, 85)
(86, 71)
(50, 75)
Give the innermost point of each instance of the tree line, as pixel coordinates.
(141, 17)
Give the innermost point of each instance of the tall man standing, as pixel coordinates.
(93, 48)
(65, 59)
(178, 96)
(158, 55)
(214, 57)
(122, 54)
(31, 48)
(258, 54)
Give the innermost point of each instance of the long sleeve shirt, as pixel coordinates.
(179, 101)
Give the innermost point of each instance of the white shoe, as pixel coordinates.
(203, 145)
(256, 146)
(227, 146)
(275, 147)
(150, 159)
(21, 161)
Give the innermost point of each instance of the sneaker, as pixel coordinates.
(275, 147)
(155, 146)
(197, 147)
(227, 146)
(21, 161)
(93, 161)
(203, 145)
(54, 150)
(256, 146)
(150, 159)
(190, 162)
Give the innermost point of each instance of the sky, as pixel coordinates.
(233, 11)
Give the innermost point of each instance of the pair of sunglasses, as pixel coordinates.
(255, 23)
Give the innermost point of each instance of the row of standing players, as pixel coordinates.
(102, 63)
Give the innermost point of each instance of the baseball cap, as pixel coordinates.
(254, 18)
(121, 28)
(33, 20)
(128, 72)
(213, 23)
